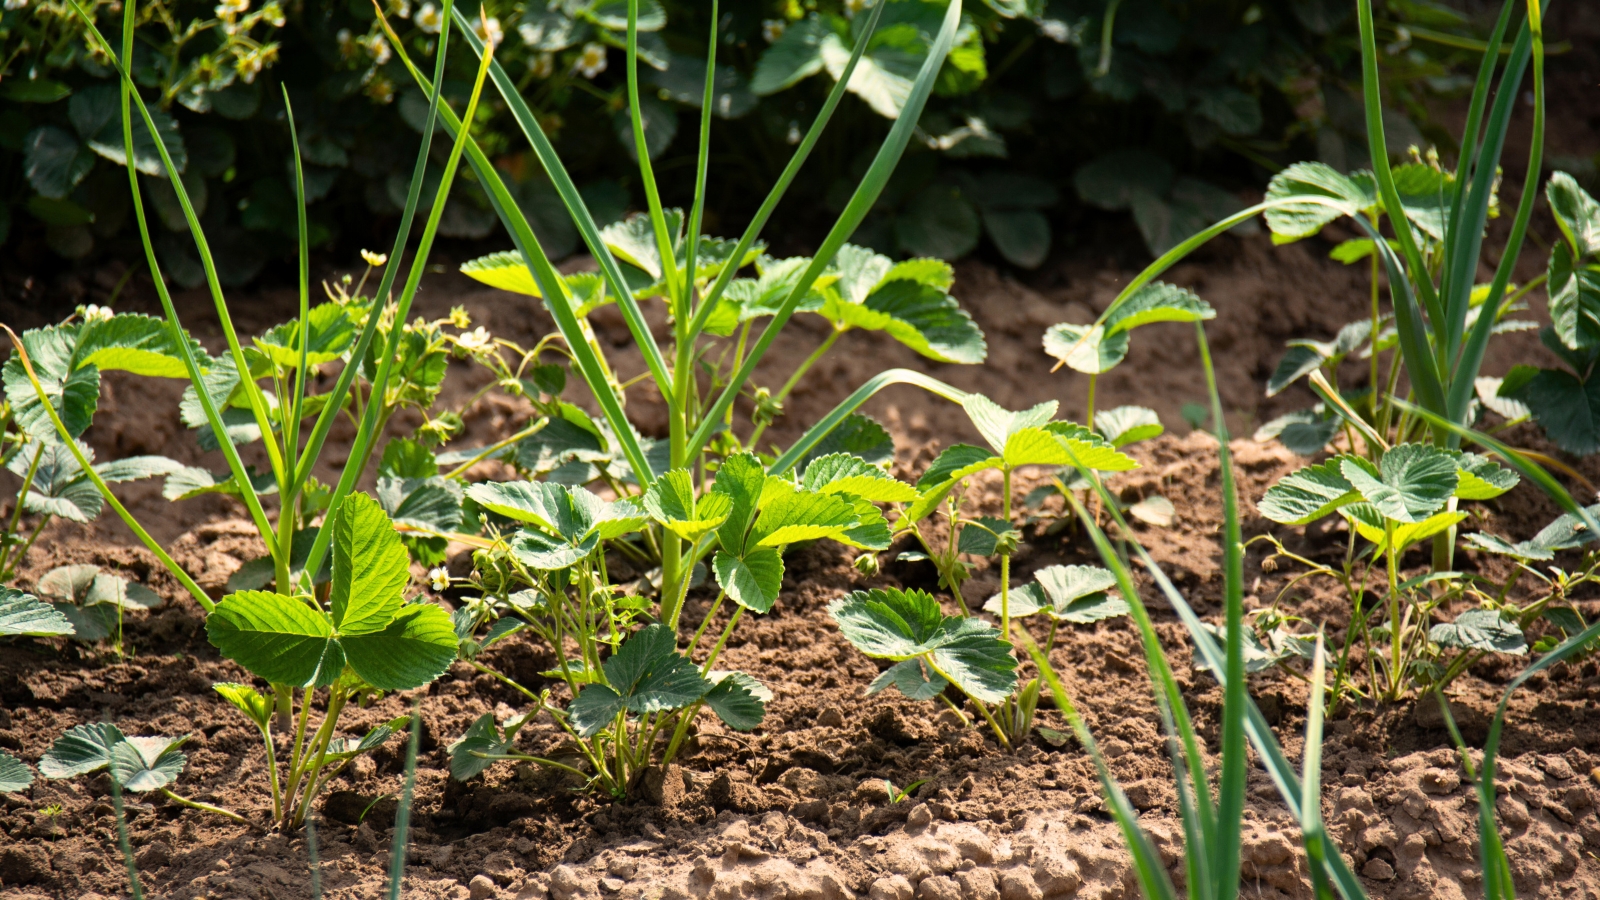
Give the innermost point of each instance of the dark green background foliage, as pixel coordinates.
(1040, 113)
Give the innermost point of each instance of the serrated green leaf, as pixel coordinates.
(670, 500)
(997, 423)
(60, 487)
(794, 56)
(1078, 594)
(843, 473)
(54, 161)
(858, 436)
(430, 503)
(1574, 289)
(1125, 425)
(738, 700)
(1481, 629)
(1575, 212)
(14, 776)
(981, 536)
(409, 652)
(900, 625)
(1086, 348)
(370, 567)
(913, 679)
(1312, 180)
(142, 764)
(548, 553)
(189, 482)
(871, 531)
(1410, 483)
(753, 581)
(1308, 494)
(128, 342)
(646, 675)
(1089, 449)
(1370, 524)
(1304, 431)
(81, 750)
(247, 700)
(741, 478)
(482, 736)
(74, 393)
(23, 614)
(955, 462)
(330, 334)
(1158, 302)
(924, 318)
(279, 638)
(1482, 478)
(789, 515)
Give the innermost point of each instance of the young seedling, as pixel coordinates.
(94, 601)
(139, 764)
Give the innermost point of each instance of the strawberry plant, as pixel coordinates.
(139, 764)
(93, 602)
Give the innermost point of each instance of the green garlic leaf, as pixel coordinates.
(900, 625)
(147, 763)
(1308, 494)
(247, 700)
(1086, 348)
(646, 675)
(1125, 425)
(25, 615)
(843, 473)
(82, 749)
(753, 581)
(1339, 196)
(411, 651)
(912, 677)
(1481, 629)
(739, 700)
(279, 638)
(1410, 483)
(14, 776)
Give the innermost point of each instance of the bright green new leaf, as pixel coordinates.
(742, 479)
(147, 763)
(901, 625)
(370, 567)
(753, 581)
(789, 515)
(843, 473)
(1370, 524)
(83, 749)
(997, 423)
(871, 531)
(1086, 348)
(128, 342)
(670, 500)
(330, 335)
(26, 615)
(1158, 302)
(1482, 478)
(411, 651)
(1410, 483)
(1481, 629)
(1309, 494)
(922, 316)
(1575, 212)
(247, 700)
(14, 776)
(1089, 449)
(646, 675)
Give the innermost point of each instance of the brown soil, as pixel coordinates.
(797, 809)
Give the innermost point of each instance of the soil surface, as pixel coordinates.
(798, 808)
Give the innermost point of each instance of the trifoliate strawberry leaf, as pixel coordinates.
(997, 423)
(74, 393)
(1088, 449)
(753, 580)
(1309, 494)
(1128, 424)
(900, 625)
(842, 473)
(1410, 483)
(914, 679)
(739, 700)
(646, 675)
(411, 651)
(1157, 302)
(1324, 195)
(26, 615)
(1078, 594)
(921, 316)
(1371, 525)
(871, 531)
(1481, 629)
(986, 535)
(256, 707)
(670, 500)
(1086, 348)
(14, 776)
(1565, 533)
(81, 750)
(546, 552)
(142, 764)
(330, 334)
(282, 639)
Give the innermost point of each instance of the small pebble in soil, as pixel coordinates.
(891, 887)
(481, 887)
